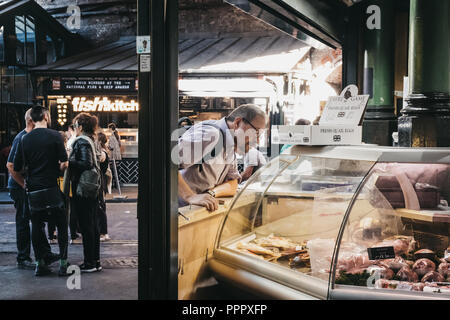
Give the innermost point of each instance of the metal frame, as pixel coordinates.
(158, 196)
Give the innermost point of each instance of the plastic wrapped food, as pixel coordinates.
(406, 274)
(423, 266)
(385, 273)
(444, 269)
(401, 244)
(396, 264)
(425, 253)
(433, 276)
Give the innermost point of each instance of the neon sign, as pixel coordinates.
(82, 104)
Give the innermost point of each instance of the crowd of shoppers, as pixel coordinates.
(59, 179)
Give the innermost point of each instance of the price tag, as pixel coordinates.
(378, 253)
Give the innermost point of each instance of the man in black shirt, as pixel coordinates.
(43, 154)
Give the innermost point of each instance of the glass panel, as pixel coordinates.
(22, 86)
(7, 86)
(2, 44)
(30, 42)
(291, 217)
(404, 208)
(50, 49)
(20, 40)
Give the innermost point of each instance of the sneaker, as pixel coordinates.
(26, 264)
(76, 241)
(98, 266)
(104, 237)
(86, 267)
(51, 258)
(62, 272)
(42, 270)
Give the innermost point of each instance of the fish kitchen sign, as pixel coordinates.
(103, 104)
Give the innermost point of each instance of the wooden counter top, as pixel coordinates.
(425, 215)
(198, 213)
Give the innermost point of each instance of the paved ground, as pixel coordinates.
(118, 279)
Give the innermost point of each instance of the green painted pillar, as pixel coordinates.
(379, 120)
(425, 120)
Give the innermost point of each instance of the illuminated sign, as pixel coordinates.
(62, 111)
(82, 104)
(94, 84)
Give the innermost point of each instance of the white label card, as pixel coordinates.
(144, 64)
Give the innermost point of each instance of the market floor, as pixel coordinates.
(117, 280)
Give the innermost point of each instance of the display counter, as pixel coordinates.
(344, 222)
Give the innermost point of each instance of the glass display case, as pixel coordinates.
(342, 222)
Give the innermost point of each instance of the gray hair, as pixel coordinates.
(28, 115)
(247, 111)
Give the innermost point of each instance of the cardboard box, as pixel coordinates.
(317, 135)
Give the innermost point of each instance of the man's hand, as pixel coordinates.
(204, 200)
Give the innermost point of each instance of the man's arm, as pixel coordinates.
(247, 173)
(15, 175)
(204, 199)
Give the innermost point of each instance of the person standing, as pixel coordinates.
(253, 160)
(114, 148)
(82, 158)
(41, 152)
(104, 166)
(19, 196)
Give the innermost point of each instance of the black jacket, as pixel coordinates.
(81, 159)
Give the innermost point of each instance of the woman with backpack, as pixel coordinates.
(85, 179)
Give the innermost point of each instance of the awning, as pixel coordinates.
(233, 88)
(246, 55)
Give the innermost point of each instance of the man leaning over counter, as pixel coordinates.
(207, 155)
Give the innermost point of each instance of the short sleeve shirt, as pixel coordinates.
(43, 150)
(12, 184)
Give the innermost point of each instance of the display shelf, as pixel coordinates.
(425, 215)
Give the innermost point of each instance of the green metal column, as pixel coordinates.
(379, 120)
(425, 120)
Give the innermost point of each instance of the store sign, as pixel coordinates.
(97, 84)
(104, 104)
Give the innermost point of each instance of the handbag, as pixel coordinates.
(89, 183)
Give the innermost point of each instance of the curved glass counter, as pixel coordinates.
(306, 222)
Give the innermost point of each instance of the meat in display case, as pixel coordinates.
(343, 222)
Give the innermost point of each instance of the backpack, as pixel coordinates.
(90, 180)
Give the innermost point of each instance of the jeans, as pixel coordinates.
(73, 221)
(23, 238)
(39, 239)
(101, 211)
(86, 210)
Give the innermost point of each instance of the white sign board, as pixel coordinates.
(342, 111)
(143, 44)
(144, 63)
